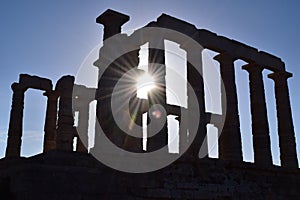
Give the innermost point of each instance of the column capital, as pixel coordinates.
(280, 75)
(252, 67)
(51, 94)
(112, 17)
(18, 87)
(112, 22)
(225, 57)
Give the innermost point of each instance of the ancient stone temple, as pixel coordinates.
(117, 165)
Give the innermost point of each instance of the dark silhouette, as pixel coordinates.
(61, 173)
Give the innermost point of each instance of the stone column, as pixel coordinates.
(50, 122)
(183, 132)
(65, 129)
(112, 22)
(135, 144)
(260, 127)
(106, 87)
(14, 139)
(83, 128)
(230, 147)
(198, 145)
(131, 62)
(157, 95)
(288, 155)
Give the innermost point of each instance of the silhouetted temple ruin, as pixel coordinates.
(190, 177)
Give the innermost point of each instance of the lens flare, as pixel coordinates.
(145, 83)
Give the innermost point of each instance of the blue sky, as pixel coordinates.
(52, 38)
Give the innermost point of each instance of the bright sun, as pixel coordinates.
(145, 83)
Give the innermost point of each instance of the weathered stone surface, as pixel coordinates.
(65, 123)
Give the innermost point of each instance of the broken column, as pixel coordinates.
(230, 147)
(14, 139)
(51, 119)
(288, 155)
(65, 129)
(260, 127)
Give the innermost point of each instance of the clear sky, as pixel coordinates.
(52, 38)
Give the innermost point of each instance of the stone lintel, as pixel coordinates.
(193, 50)
(215, 119)
(242, 51)
(35, 82)
(174, 110)
(167, 21)
(219, 43)
(84, 93)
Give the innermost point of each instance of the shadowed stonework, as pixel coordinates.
(91, 172)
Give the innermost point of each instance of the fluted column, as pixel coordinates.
(112, 22)
(198, 146)
(14, 139)
(288, 155)
(157, 69)
(65, 124)
(260, 126)
(50, 122)
(183, 132)
(106, 90)
(230, 147)
(82, 129)
(131, 143)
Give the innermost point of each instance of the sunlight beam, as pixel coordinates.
(144, 84)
